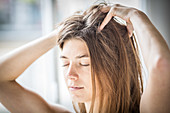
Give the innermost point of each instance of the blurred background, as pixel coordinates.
(22, 21)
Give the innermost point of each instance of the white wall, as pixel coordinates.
(158, 12)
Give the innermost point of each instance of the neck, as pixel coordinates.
(87, 105)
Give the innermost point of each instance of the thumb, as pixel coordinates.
(129, 28)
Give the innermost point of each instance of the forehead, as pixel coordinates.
(74, 47)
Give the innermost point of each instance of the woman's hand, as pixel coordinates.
(156, 56)
(148, 36)
(120, 11)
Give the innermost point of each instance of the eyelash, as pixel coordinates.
(65, 65)
(84, 64)
(80, 64)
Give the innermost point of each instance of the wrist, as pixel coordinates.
(53, 36)
(137, 15)
(139, 19)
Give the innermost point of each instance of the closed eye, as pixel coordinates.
(84, 64)
(65, 65)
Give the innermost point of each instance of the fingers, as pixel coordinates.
(119, 11)
(111, 12)
(105, 9)
(130, 29)
(106, 20)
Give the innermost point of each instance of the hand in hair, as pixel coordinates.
(120, 11)
(156, 56)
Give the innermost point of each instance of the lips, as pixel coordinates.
(75, 88)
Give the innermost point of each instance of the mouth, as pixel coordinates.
(73, 88)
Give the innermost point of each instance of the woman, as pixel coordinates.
(100, 63)
(107, 60)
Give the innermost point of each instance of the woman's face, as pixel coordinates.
(77, 70)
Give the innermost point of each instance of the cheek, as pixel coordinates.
(64, 70)
(65, 75)
(86, 70)
(86, 77)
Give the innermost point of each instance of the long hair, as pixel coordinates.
(115, 65)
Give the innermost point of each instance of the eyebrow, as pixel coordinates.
(79, 56)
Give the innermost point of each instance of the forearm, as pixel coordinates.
(151, 42)
(16, 62)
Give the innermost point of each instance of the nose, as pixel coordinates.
(71, 72)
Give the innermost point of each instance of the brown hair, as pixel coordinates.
(115, 65)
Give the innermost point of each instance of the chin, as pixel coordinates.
(80, 99)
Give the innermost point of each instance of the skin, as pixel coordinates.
(77, 71)
(13, 96)
(155, 52)
(156, 55)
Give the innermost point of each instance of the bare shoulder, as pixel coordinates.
(155, 98)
